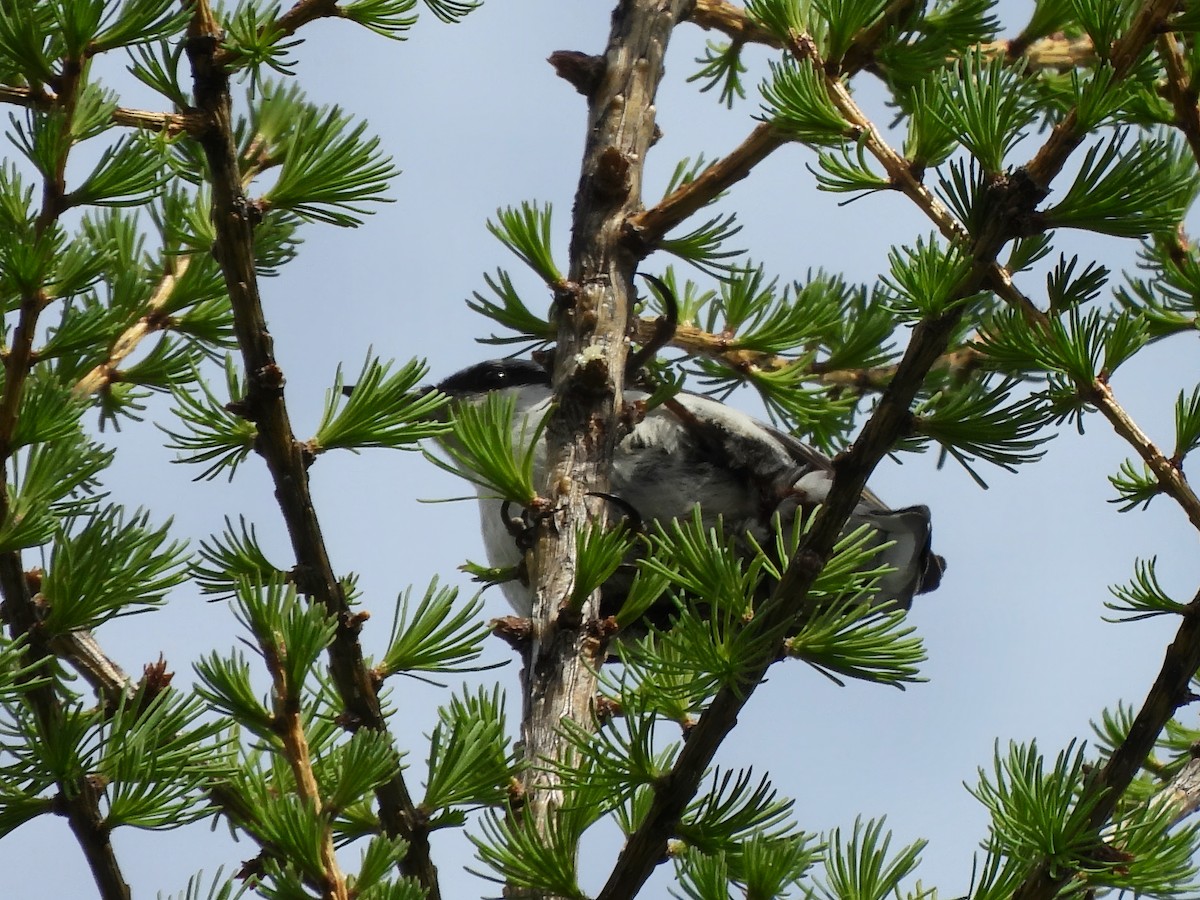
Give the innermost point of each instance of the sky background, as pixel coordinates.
(476, 120)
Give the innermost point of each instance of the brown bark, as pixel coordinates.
(566, 648)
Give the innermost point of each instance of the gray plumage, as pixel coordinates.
(692, 450)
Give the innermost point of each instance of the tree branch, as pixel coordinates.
(1169, 476)
(289, 725)
(151, 321)
(566, 650)
(1171, 690)
(1179, 90)
(724, 349)
(22, 609)
(861, 54)
(1053, 52)
(172, 123)
(234, 218)
(653, 224)
(1050, 163)
(787, 605)
(720, 15)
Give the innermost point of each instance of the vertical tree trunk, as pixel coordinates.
(566, 649)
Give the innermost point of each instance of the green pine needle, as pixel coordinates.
(721, 66)
(543, 862)
(383, 410)
(231, 557)
(862, 867)
(511, 313)
(796, 101)
(471, 763)
(526, 232)
(1127, 191)
(209, 433)
(988, 104)
(488, 447)
(1143, 597)
(435, 637)
(330, 168)
(390, 18)
(107, 566)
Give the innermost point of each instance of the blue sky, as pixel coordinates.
(476, 119)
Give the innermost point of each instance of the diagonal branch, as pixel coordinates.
(1171, 690)
(85, 655)
(891, 420)
(651, 226)
(289, 724)
(1049, 162)
(286, 458)
(150, 322)
(1170, 478)
(723, 16)
(787, 606)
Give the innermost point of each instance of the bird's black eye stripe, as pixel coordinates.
(494, 375)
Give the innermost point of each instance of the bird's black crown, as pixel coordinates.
(494, 375)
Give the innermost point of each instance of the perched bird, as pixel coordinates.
(692, 450)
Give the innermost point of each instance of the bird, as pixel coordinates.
(692, 451)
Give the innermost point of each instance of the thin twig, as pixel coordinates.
(698, 342)
(861, 54)
(289, 725)
(172, 123)
(720, 15)
(902, 177)
(286, 458)
(652, 225)
(150, 322)
(1053, 52)
(1169, 476)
